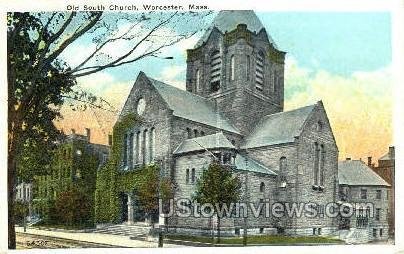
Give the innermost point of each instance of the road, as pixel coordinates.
(31, 241)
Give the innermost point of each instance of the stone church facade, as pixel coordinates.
(232, 109)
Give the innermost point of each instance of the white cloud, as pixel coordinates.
(173, 75)
(359, 106)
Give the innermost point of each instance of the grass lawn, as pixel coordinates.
(264, 239)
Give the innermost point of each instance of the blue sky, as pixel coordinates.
(343, 59)
(341, 43)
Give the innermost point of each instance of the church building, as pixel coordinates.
(233, 110)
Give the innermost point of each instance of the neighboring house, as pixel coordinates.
(359, 184)
(386, 169)
(24, 192)
(233, 111)
(74, 164)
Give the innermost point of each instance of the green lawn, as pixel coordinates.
(264, 239)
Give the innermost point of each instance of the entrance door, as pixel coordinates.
(124, 207)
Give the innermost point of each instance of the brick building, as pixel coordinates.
(232, 109)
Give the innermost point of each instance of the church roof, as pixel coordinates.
(278, 128)
(227, 21)
(356, 172)
(217, 140)
(251, 165)
(191, 106)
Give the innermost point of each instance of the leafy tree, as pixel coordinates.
(40, 81)
(219, 187)
(73, 207)
(150, 187)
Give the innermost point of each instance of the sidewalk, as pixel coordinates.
(121, 241)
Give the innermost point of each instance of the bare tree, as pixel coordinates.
(40, 78)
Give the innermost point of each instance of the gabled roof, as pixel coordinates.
(217, 140)
(357, 173)
(227, 21)
(278, 128)
(191, 106)
(248, 164)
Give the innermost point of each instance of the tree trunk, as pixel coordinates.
(218, 229)
(10, 194)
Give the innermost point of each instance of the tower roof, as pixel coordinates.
(227, 21)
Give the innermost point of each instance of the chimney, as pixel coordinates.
(370, 161)
(391, 152)
(348, 159)
(110, 140)
(73, 131)
(88, 134)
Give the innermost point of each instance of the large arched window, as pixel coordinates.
(282, 172)
(187, 175)
(322, 163)
(232, 65)
(145, 150)
(316, 163)
(152, 144)
(259, 71)
(215, 71)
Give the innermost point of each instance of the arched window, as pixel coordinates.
(125, 150)
(262, 187)
(232, 67)
(193, 175)
(145, 150)
(197, 80)
(248, 68)
(187, 175)
(130, 152)
(152, 143)
(316, 162)
(282, 172)
(322, 163)
(137, 153)
(215, 71)
(259, 71)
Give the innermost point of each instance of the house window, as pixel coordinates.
(381, 232)
(146, 142)
(193, 175)
(202, 133)
(262, 187)
(319, 231)
(215, 71)
(259, 71)
(232, 68)
(262, 207)
(314, 231)
(187, 175)
(237, 231)
(197, 80)
(319, 126)
(130, 152)
(377, 216)
(363, 194)
(378, 194)
(374, 232)
(261, 230)
(226, 158)
(196, 133)
(189, 135)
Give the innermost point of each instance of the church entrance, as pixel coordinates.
(124, 206)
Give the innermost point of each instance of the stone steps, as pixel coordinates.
(357, 236)
(125, 230)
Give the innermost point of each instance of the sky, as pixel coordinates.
(343, 59)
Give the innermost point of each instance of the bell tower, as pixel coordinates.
(237, 65)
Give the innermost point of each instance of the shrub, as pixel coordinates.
(73, 207)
